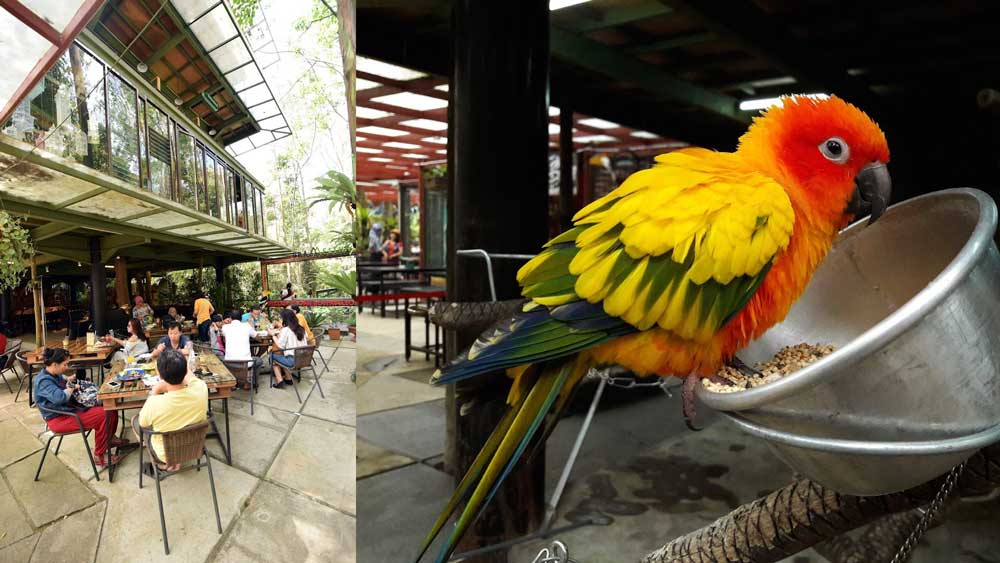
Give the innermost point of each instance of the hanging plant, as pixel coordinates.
(15, 251)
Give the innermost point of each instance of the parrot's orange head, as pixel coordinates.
(826, 152)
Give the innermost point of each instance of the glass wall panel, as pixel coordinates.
(143, 150)
(185, 161)
(251, 208)
(221, 171)
(199, 160)
(211, 186)
(158, 133)
(124, 137)
(241, 219)
(230, 198)
(64, 114)
(263, 212)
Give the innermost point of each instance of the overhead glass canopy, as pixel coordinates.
(33, 33)
(213, 25)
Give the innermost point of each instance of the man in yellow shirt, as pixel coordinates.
(203, 310)
(179, 399)
(305, 325)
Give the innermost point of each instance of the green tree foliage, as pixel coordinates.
(15, 251)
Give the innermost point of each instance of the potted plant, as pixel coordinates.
(353, 323)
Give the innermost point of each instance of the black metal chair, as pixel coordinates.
(317, 338)
(82, 431)
(303, 361)
(22, 360)
(8, 363)
(242, 372)
(179, 447)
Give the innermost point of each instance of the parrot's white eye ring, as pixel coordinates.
(835, 149)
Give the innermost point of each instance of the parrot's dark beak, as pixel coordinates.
(872, 190)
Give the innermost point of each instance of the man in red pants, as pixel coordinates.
(54, 389)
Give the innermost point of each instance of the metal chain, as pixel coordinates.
(932, 509)
(627, 382)
(555, 553)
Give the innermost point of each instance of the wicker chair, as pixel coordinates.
(22, 360)
(243, 374)
(8, 361)
(82, 432)
(303, 361)
(179, 447)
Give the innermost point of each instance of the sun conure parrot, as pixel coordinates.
(673, 272)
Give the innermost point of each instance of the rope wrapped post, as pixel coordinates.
(804, 514)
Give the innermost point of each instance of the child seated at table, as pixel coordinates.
(179, 399)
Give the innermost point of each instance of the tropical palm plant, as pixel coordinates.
(337, 189)
(345, 282)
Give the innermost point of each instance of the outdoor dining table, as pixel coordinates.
(380, 272)
(79, 353)
(133, 395)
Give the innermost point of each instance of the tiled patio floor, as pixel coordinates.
(287, 497)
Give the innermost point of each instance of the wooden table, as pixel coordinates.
(79, 353)
(133, 395)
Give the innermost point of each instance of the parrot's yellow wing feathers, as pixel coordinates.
(682, 245)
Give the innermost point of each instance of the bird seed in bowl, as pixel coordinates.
(787, 361)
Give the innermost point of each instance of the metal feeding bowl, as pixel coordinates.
(912, 306)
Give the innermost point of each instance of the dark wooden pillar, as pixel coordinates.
(565, 167)
(121, 282)
(498, 201)
(6, 303)
(98, 290)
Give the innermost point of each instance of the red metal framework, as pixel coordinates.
(390, 146)
(60, 40)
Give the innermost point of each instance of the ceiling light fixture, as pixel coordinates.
(178, 101)
(560, 4)
(762, 103)
(141, 67)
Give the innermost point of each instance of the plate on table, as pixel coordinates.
(130, 374)
(144, 357)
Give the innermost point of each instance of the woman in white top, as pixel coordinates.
(292, 335)
(137, 342)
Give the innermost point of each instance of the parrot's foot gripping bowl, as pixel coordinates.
(912, 305)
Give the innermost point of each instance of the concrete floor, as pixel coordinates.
(289, 495)
(640, 471)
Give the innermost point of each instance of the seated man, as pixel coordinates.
(174, 340)
(53, 389)
(237, 336)
(253, 317)
(179, 399)
(172, 316)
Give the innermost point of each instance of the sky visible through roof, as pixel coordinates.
(329, 152)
